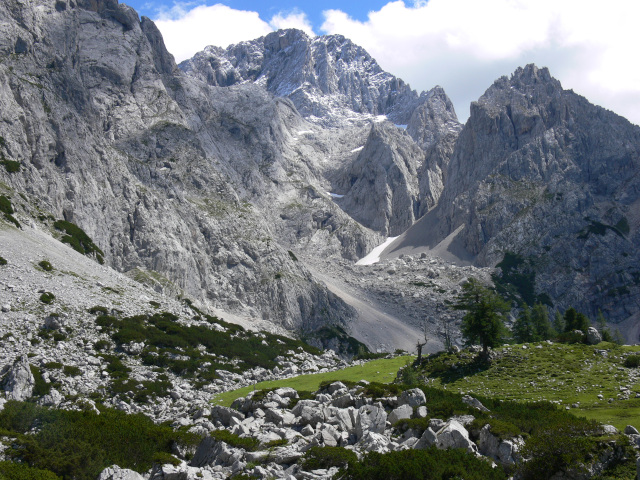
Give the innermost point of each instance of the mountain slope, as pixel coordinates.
(540, 172)
(111, 136)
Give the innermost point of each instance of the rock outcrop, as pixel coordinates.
(540, 172)
(328, 78)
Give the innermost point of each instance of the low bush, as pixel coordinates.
(79, 240)
(71, 371)
(632, 361)
(98, 310)
(429, 464)
(79, 445)
(7, 209)
(229, 438)
(102, 345)
(41, 387)
(45, 265)
(327, 457)
(47, 298)
(20, 471)
(11, 166)
(3, 261)
(53, 365)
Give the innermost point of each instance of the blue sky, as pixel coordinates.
(357, 10)
(461, 45)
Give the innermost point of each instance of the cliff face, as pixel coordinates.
(112, 136)
(328, 78)
(540, 172)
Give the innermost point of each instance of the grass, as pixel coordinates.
(565, 374)
(383, 371)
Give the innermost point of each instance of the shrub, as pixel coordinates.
(101, 345)
(327, 457)
(53, 365)
(71, 371)
(571, 337)
(80, 445)
(3, 261)
(229, 438)
(11, 166)
(162, 458)
(45, 265)
(79, 240)
(47, 297)
(429, 464)
(20, 471)
(41, 387)
(7, 210)
(566, 444)
(632, 361)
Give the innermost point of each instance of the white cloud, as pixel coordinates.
(464, 45)
(187, 30)
(294, 19)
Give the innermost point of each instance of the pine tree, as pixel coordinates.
(523, 329)
(541, 323)
(484, 320)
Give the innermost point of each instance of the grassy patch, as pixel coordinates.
(567, 374)
(45, 265)
(11, 166)
(383, 371)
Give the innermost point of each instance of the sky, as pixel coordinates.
(462, 45)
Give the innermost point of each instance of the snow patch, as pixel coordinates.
(380, 118)
(335, 195)
(357, 149)
(403, 127)
(304, 132)
(374, 255)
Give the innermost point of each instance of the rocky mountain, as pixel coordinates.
(539, 172)
(328, 78)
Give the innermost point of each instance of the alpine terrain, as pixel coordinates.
(280, 212)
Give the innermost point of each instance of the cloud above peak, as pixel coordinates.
(462, 45)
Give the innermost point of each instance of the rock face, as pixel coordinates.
(19, 381)
(540, 172)
(326, 77)
(157, 168)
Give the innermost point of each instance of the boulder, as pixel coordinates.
(403, 412)
(474, 403)
(19, 382)
(51, 399)
(213, 452)
(371, 418)
(609, 430)
(225, 414)
(116, 473)
(631, 430)
(374, 442)
(427, 439)
(593, 336)
(454, 435)
(414, 398)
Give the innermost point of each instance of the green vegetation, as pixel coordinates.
(383, 370)
(248, 443)
(80, 445)
(20, 471)
(45, 265)
(41, 387)
(11, 166)
(79, 240)
(632, 361)
(7, 209)
(170, 345)
(327, 457)
(98, 309)
(3, 261)
(47, 297)
(71, 370)
(484, 320)
(567, 374)
(533, 325)
(430, 464)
